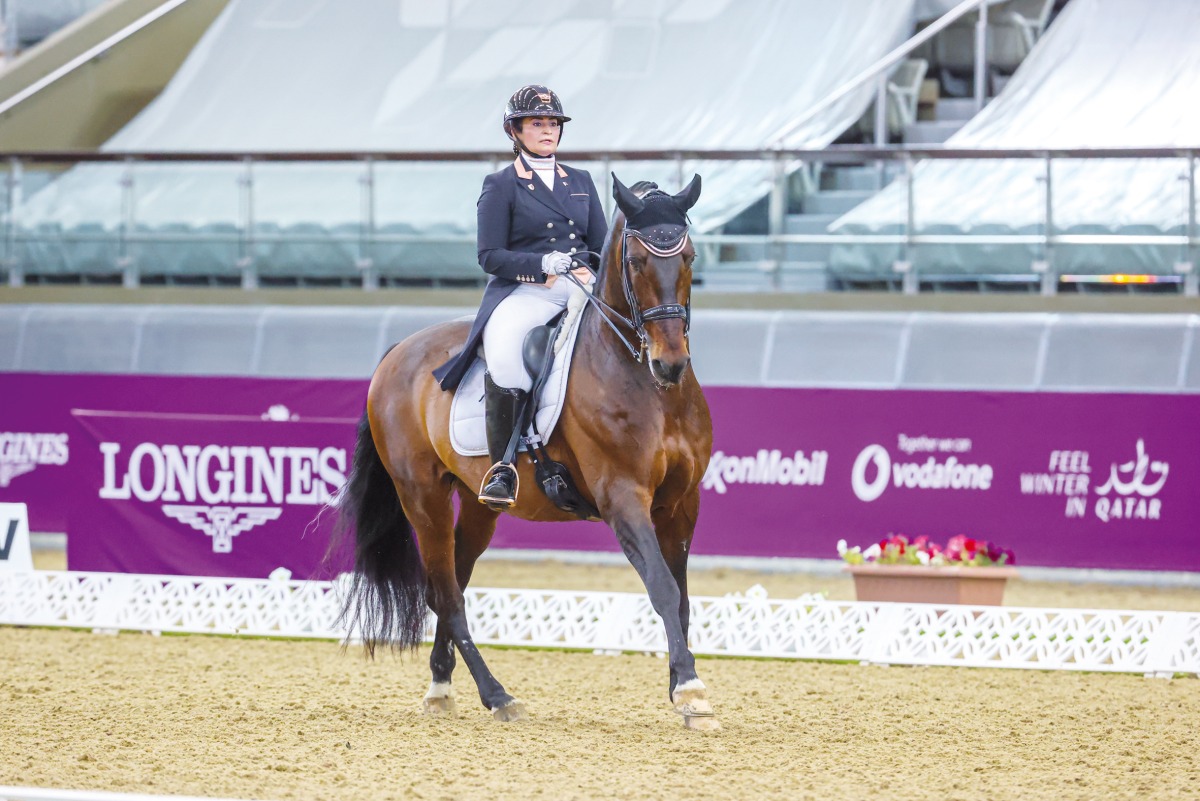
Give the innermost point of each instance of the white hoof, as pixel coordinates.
(440, 699)
(691, 701)
(514, 710)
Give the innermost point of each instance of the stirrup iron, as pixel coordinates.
(497, 503)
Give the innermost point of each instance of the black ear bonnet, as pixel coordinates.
(657, 219)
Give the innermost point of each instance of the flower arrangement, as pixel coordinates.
(959, 551)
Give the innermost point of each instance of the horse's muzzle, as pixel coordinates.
(668, 373)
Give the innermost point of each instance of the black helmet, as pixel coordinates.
(533, 101)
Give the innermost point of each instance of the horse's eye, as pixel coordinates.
(633, 265)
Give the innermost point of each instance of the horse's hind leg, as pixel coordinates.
(431, 514)
(472, 533)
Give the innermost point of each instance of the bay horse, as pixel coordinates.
(635, 433)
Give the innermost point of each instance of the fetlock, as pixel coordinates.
(502, 407)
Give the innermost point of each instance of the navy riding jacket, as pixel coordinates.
(521, 220)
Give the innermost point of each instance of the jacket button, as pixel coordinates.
(572, 250)
(570, 222)
(549, 225)
(572, 236)
(553, 239)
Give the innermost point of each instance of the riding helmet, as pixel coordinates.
(533, 101)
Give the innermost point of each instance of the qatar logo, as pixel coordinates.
(222, 523)
(21, 452)
(1133, 486)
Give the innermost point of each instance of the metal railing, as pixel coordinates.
(880, 69)
(782, 162)
(96, 51)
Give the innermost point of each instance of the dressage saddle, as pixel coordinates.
(553, 477)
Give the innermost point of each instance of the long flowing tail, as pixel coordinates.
(386, 601)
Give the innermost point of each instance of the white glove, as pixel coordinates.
(556, 263)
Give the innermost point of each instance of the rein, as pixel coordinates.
(638, 318)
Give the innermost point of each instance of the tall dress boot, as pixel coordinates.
(501, 407)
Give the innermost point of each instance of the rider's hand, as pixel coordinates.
(556, 263)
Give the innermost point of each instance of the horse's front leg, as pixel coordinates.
(675, 524)
(630, 520)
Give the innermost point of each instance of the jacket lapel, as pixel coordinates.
(533, 185)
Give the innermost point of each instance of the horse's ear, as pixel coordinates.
(690, 194)
(627, 202)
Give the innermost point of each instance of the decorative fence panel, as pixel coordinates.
(750, 624)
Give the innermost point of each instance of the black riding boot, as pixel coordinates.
(502, 406)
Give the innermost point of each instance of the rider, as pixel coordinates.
(533, 216)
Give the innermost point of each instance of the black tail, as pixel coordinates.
(386, 600)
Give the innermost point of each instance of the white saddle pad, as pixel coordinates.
(468, 434)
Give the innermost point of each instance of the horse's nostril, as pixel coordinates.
(668, 372)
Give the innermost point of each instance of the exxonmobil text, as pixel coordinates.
(767, 467)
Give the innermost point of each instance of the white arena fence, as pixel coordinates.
(751, 624)
(41, 794)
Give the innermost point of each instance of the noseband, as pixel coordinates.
(659, 242)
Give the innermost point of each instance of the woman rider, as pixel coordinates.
(533, 215)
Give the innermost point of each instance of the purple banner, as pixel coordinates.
(38, 434)
(206, 495)
(1073, 480)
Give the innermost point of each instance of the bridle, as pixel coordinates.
(637, 319)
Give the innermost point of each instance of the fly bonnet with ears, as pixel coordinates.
(657, 220)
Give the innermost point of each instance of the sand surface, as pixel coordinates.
(256, 718)
(275, 719)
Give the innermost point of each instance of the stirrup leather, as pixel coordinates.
(493, 501)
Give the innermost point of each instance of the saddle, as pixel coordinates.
(537, 354)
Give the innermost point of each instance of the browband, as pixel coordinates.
(662, 244)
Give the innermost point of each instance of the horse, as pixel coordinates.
(635, 433)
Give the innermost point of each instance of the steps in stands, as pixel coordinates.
(804, 266)
(950, 114)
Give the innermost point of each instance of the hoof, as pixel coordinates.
(439, 706)
(512, 711)
(696, 723)
(439, 700)
(691, 701)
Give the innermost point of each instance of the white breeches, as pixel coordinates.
(503, 336)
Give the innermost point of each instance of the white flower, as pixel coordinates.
(841, 547)
(923, 557)
(873, 552)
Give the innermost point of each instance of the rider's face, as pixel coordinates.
(540, 135)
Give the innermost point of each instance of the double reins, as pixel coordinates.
(638, 318)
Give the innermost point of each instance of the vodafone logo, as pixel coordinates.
(875, 456)
(874, 470)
